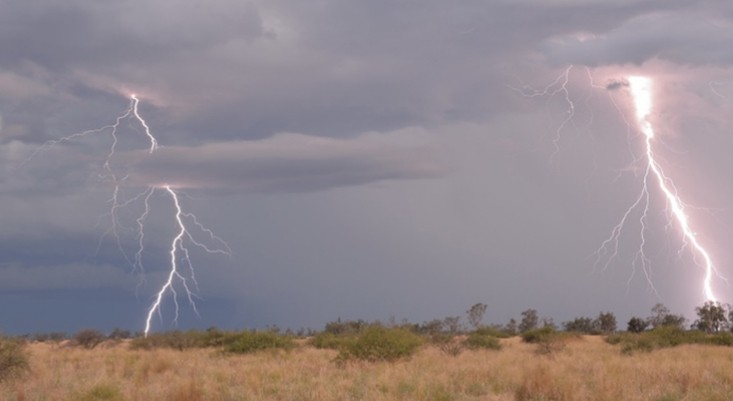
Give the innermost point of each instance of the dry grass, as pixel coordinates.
(584, 369)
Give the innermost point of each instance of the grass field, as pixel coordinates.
(587, 368)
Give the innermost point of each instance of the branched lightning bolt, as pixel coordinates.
(653, 176)
(641, 91)
(179, 251)
(558, 86)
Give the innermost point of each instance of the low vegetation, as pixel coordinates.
(665, 337)
(379, 343)
(587, 368)
(656, 358)
(89, 338)
(484, 339)
(13, 359)
(252, 341)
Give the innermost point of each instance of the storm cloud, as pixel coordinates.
(359, 157)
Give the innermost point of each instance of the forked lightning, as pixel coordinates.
(179, 252)
(641, 92)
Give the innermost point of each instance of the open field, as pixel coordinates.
(586, 369)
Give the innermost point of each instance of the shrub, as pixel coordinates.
(119, 334)
(477, 340)
(493, 332)
(536, 336)
(378, 343)
(447, 343)
(179, 340)
(339, 327)
(664, 337)
(723, 338)
(89, 338)
(214, 337)
(329, 340)
(251, 341)
(548, 339)
(13, 359)
(49, 337)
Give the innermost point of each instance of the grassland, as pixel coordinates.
(586, 368)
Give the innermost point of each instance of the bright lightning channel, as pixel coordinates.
(641, 92)
(179, 250)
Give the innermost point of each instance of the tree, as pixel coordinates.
(677, 321)
(511, 327)
(711, 317)
(530, 320)
(659, 312)
(637, 325)
(661, 316)
(452, 324)
(475, 314)
(579, 325)
(605, 322)
(549, 322)
(431, 327)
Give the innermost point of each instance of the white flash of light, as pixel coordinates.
(641, 92)
(179, 252)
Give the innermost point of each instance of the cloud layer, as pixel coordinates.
(359, 156)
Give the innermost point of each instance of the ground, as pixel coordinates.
(587, 368)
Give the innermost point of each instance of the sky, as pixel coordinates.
(362, 159)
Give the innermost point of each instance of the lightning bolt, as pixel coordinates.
(179, 252)
(641, 92)
(653, 176)
(558, 86)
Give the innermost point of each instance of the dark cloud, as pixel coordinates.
(370, 149)
(615, 84)
(230, 69)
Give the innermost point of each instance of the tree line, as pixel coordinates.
(712, 317)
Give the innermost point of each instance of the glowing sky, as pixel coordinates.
(363, 159)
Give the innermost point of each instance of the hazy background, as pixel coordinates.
(363, 159)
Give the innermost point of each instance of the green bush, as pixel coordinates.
(666, 336)
(540, 335)
(13, 359)
(548, 339)
(478, 339)
(251, 341)
(493, 332)
(378, 343)
(179, 340)
(328, 340)
(214, 337)
(723, 338)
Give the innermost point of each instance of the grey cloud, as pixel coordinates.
(228, 70)
(290, 163)
(283, 97)
(685, 38)
(73, 34)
